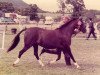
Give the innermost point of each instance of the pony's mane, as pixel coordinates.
(66, 24)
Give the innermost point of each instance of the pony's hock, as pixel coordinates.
(61, 40)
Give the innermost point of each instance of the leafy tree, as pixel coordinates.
(24, 11)
(33, 12)
(10, 7)
(61, 6)
(29, 11)
(78, 6)
(6, 7)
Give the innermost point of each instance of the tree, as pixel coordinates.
(6, 7)
(10, 7)
(24, 12)
(78, 6)
(33, 12)
(61, 6)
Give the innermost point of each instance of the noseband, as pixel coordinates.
(77, 27)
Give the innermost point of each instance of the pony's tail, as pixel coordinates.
(15, 41)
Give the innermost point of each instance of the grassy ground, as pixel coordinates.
(86, 53)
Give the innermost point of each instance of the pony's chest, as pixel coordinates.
(64, 40)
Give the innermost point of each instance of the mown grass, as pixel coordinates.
(86, 53)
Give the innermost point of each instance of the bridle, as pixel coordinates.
(77, 27)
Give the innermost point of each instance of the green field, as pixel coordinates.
(86, 53)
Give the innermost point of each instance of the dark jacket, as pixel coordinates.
(91, 25)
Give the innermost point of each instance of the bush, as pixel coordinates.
(13, 30)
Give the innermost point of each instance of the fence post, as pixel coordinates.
(2, 32)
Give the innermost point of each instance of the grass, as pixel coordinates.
(86, 53)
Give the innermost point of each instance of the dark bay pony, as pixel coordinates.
(59, 39)
(58, 52)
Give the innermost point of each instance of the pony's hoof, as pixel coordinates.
(13, 65)
(78, 67)
(40, 62)
(42, 65)
(52, 62)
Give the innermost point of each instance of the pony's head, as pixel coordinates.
(80, 26)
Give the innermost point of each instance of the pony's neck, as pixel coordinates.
(69, 30)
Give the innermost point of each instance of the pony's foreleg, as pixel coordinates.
(20, 54)
(72, 57)
(67, 58)
(36, 55)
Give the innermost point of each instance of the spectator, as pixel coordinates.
(91, 29)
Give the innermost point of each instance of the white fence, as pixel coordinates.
(2, 33)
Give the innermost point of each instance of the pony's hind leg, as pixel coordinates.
(20, 54)
(57, 52)
(59, 55)
(42, 51)
(36, 55)
(58, 58)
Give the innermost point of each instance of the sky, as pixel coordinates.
(51, 5)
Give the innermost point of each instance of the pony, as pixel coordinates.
(59, 39)
(58, 52)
